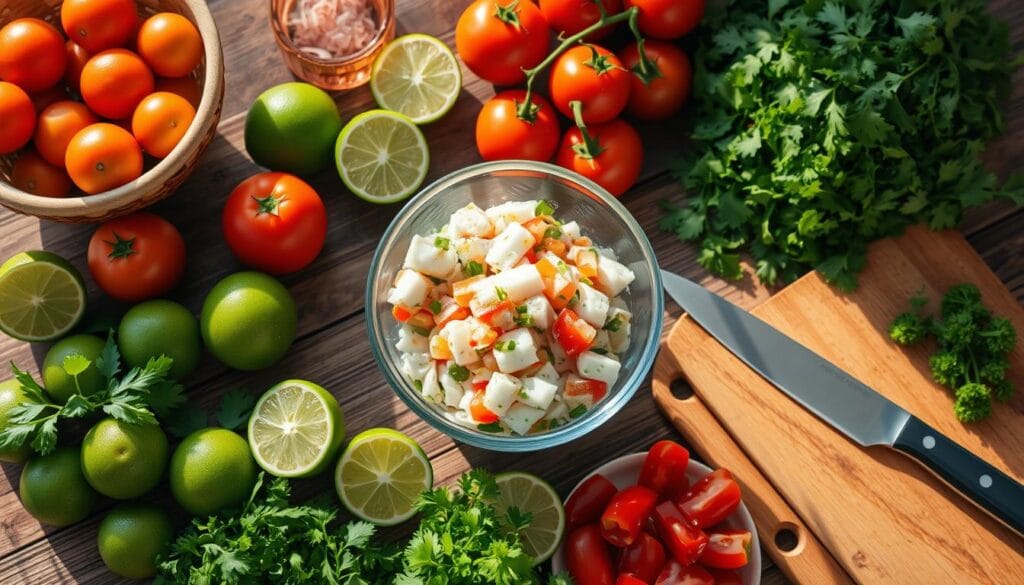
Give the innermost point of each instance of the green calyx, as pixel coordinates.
(509, 14)
(268, 204)
(121, 247)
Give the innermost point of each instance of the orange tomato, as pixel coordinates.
(17, 117)
(103, 156)
(57, 125)
(43, 99)
(31, 54)
(186, 87)
(99, 25)
(170, 44)
(34, 175)
(114, 82)
(160, 121)
(77, 58)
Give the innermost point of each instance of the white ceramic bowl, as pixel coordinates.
(625, 470)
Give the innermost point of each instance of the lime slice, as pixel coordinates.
(416, 75)
(382, 156)
(295, 429)
(380, 476)
(532, 494)
(42, 296)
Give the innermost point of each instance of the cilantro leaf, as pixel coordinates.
(235, 408)
(109, 362)
(75, 364)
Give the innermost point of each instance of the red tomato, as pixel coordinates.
(136, 257)
(723, 577)
(57, 125)
(170, 44)
(479, 412)
(497, 39)
(572, 333)
(274, 222)
(99, 25)
(32, 174)
(627, 579)
(587, 502)
(623, 519)
(596, 389)
(644, 558)
(664, 469)
(101, 157)
(77, 58)
(17, 117)
(501, 134)
(678, 574)
(667, 19)
(618, 162)
(114, 82)
(572, 16)
(683, 539)
(712, 499)
(31, 54)
(588, 558)
(593, 76)
(160, 122)
(663, 95)
(727, 549)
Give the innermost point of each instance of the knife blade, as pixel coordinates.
(848, 405)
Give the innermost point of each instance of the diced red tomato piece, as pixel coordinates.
(727, 549)
(664, 469)
(422, 319)
(576, 386)
(676, 573)
(556, 247)
(623, 519)
(588, 558)
(589, 500)
(479, 385)
(644, 558)
(627, 579)
(402, 313)
(479, 412)
(712, 499)
(498, 313)
(683, 539)
(450, 311)
(572, 333)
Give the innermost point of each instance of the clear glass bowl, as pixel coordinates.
(600, 216)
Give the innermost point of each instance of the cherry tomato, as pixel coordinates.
(31, 54)
(724, 577)
(170, 44)
(186, 87)
(572, 16)
(114, 82)
(501, 134)
(667, 19)
(160, 121)
(479, 412)
(663, 95)
(617, 165)
(34, 175)
(595, 389)
(664, 469)
(497, 39)
(627, 579)
(77, 58)
(644, 558)
(588, 501)
(57, 125)
(588, 558)
(594, 76)
(727, 549)
(17, 117)
(275, 222)
(136, 257)
(572, 333)
(712, 499)
(622, 521)
(683, 539)
(678, 574)
(99, 25)
(102, 157)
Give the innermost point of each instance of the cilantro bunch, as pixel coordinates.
(824, 125)
(974, 348)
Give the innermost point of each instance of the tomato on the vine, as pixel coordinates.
(275, 222)
(618, 161)
(667, 19)
(662, 95)
(498, 39)
(136, 257)
(572, 16)
(501, 134)
(594, 76)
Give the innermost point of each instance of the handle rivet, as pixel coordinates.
(985, 481)
(928, 442)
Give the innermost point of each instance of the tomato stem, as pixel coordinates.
(646, 69)
(120, 248)
(508, 14)
(268, 204)
(590, 147)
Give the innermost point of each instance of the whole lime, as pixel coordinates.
(124, 461)
(211, 470)
(160, 327)
(57, 382)
(248, 320)
(130, 538)
(292, 128)
(11, 396)
(53, 488)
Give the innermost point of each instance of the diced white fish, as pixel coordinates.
(509, 246)
(471, 221)
(411, 342)
(427, 257)
(515, 350)
(537, 392)
(598, 367)
(501, 393)
(520, 418)
(511, 211)
(592, 306)
(410, 289)
(613, 278)
(458, 335)
(540, 311)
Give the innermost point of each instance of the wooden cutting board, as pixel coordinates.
(870, 515)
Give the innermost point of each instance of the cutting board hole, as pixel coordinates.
(788, 539)
(681, 389)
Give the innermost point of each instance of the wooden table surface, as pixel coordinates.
(331, 348)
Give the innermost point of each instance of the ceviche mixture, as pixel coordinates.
(511, 320)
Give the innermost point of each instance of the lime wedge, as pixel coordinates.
(295, 429)
(42, 296)
(380, 476)
(416, 75)
(382, 156)
(532, 494)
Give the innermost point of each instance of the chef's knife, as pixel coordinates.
(849, 406)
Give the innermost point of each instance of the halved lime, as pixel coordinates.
(42, 296)
(382, 156)
(416, 75)
(380, 476)
(532, 494)
(295, 429)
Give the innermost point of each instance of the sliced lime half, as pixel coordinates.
(382, 156)
(416, 75)
(42, 296)
(532, 494)
(296, 429)
(381, 474)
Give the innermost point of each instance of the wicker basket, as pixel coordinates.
(165, 176)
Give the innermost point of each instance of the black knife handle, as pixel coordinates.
(991, 489)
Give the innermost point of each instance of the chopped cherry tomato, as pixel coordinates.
(401, 313)
(727, 549)
(685, 540)
(492, 315)
(627, 579)
(479, 412)
(711, 499)
(724, 577)
(450, 311)
(574, 334)
(479, 385)
(588, 557)
(588, 501)
(644, 558)
(623, 519)
(664, 469)
(678, 574)
(576, 386)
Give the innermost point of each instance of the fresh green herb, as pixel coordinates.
(493, 427)
(235, 408)
(523, 317)
(575, 300)
(552, 233)
(578, 411)
(825, 125)
(544, 208)
(501, 293)
(506, 346)
(442, 242)
(418, 384)
(614, 324)
(458, 373)
(562, 267)
(423, 331)
(554, 424)
(435, 306)
(473, 268)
